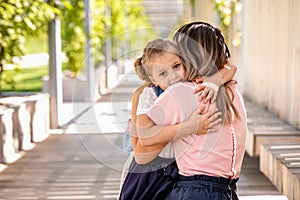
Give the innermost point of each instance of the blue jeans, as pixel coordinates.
(127, 144)
(204, 187)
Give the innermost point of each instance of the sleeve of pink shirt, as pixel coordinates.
(175, 105)
(165, 110)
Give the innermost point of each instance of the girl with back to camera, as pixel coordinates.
(153, 179)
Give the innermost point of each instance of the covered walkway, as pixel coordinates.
(84, 160)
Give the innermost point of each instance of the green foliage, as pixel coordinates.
(125, 27)
(21, 20)
(225, 10)
(125, 16)
(18, 20)
(37, 44)
(73, 36)
(9, 77)
(135, 28)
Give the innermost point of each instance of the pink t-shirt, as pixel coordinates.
(216, 154)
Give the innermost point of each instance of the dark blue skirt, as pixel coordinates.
(150, 181)
(203, 187)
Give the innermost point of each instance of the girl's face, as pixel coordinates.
(166, 69)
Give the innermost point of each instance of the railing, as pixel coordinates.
(24, 120)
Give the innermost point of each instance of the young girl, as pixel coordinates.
(155, 179)
(209, 165)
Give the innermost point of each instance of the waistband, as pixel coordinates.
(158, 163)
(211, 182)
(214, 179)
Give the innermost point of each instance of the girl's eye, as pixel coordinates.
(163, 74)
(177, 66)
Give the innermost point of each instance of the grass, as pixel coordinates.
(28, 79)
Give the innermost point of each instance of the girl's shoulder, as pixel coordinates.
(181, 90)
(182, 85)
(141, 88)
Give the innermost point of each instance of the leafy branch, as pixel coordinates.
(225, 10)
(18, 20)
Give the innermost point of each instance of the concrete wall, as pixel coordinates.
(269, 57)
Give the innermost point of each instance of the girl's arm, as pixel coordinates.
(210, 92)
(142, 154)
(150, 134)
(225, 74)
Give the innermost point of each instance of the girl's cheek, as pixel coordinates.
(181, 73)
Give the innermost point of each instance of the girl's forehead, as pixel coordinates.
(157, 68)
(164, 57)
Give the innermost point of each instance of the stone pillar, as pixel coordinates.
(55, 72)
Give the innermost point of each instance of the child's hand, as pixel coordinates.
(209, 92)
(205, 123)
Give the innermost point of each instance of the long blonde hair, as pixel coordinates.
(204, 51)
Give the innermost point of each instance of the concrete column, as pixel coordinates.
(107, 43)
(55, 72)
(89, 64)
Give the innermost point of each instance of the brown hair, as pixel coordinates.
(153, 49)
(204, 51)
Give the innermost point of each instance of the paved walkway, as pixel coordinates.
(85, 160)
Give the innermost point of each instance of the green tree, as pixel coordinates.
(73, 36)
(128, 25)
(225, 10)
(133, 25)
(18, 20)
(125, 15)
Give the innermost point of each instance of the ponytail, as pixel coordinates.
(140, 70)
